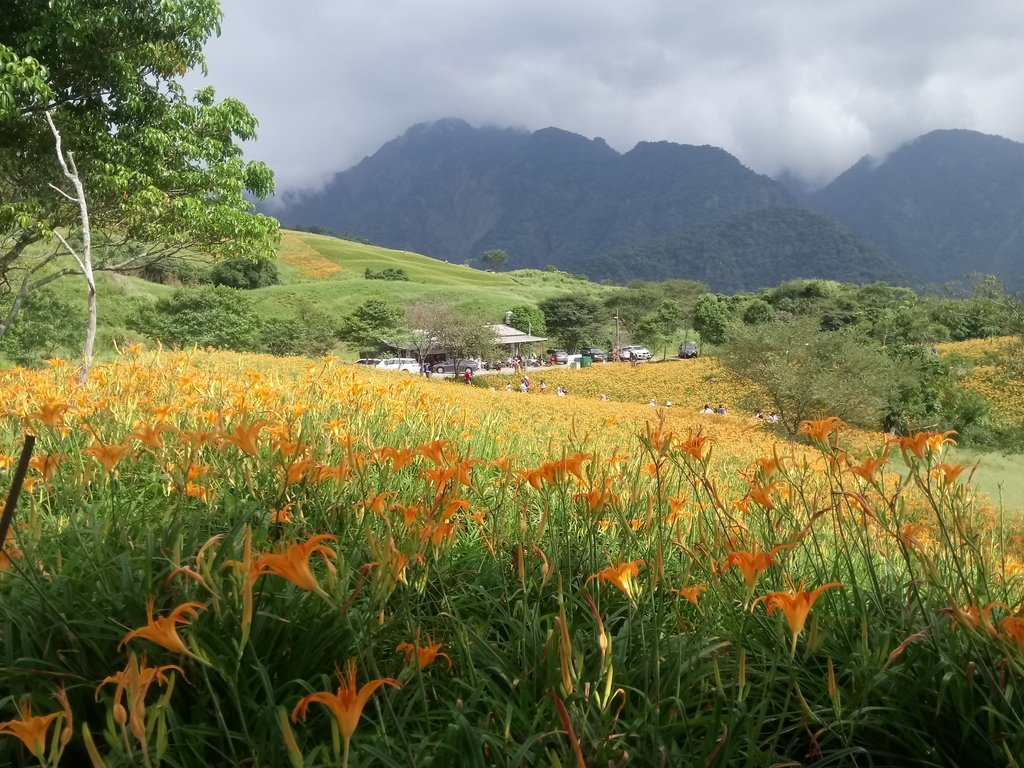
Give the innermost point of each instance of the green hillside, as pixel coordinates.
(329, 273)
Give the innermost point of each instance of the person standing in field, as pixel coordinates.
(468, 376)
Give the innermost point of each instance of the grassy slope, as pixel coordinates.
(328, 273)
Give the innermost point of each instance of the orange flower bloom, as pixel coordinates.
(164, 630)
(425, 654)
(31, 729)
(697, 445)
(622, 576)
(753, 563)
(870, 466)
(347, 704)
(949, 472)
(819, 430)
(135, 680)
(399, 457)
(46, 464)
(796, 605)
(692, 593)
(50, 414)
(150, 434)
(245, 436)
(1013, 629)
(293, 563)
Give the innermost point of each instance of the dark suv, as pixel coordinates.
(595, 353)
(689, 349)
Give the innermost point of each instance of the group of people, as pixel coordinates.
(771, 418)
(525, 385)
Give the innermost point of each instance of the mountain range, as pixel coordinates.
(945, 205)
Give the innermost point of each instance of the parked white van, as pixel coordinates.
(407, 364)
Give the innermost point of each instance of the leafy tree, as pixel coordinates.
(368, 325)
(47, 326)
(495, 258)
(246, 274)
(528, 318)
(307, 333)
(573, 318)
(660, 327)
(758, 312)
(809, 373)
(434, 327)
(209, 316)
(90, 95)
(711, 318)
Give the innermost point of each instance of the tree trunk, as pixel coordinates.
(67, 165)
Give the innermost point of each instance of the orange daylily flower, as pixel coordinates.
(974, 616)
(753, 563)
(46, 463)
(919, 442)
(621, 576)
(762, 495)
(135, 680)
(1013, 629)
(164, 630)
(293, 563)
(379, 504)
(347, 704)
(949, 472)
(8, 553)
(31, 729)
(867, 469)
(697, 445)
(245, 436)
(399, 457)
(51, 414)
(425, 654)
(440, 452)
(598, 499)
(692, 593)
(796, 605)
(151, 435)
(819, 430)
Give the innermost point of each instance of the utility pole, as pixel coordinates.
(616, 318)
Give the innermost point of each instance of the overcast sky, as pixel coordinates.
(805, 85)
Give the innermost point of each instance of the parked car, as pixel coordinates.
(407, 364)
(556, 356)
(642, 353)
(689, 349)
(457, 366)
(596, 354)
(368, 361)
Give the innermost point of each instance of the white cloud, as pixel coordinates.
(798, 84)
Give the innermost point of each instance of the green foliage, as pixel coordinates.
(309, 333)
(369, 324)
(389, 273)
(246, 274)
(573, 318)
(758, 312)
(49, 325)
(658, 329)
(711, 318)
(747, 251)
(209, 316)
(810, 373)
(528, 318)
(161, 169)
(494, 259)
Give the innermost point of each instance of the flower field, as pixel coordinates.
(241, 560)
(992, 375)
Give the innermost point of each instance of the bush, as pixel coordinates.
(244, 273)
(210, 316)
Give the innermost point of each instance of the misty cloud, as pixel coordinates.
(781, 84)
